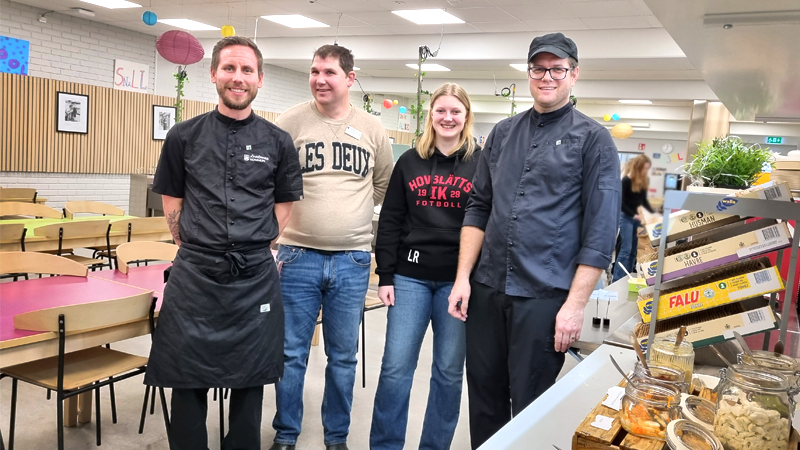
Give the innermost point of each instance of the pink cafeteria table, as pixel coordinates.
(149, 277)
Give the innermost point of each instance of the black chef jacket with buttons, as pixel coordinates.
(230, 174)
(547, 194)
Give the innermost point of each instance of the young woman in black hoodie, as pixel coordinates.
(417, 256)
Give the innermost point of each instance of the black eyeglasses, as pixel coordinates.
(556, 73)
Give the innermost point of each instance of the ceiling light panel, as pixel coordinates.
(113, 4)
(295, 21)
(188, 24)
(636, 102)
(429, 67)
(520, 67)
(428, 16)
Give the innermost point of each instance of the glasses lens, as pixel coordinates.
(556, 73)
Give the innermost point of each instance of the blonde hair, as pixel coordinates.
(427, 142)
(633, 170)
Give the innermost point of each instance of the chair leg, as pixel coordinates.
(48, 394)
(60, 419)
(153, 402)
(221, 418)
(13, 420)
(164, 408)
(113, 401)
(144, 407)
(97, 412)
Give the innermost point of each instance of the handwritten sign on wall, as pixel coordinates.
(131, 76)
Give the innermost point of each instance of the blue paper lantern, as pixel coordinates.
(149, 18)
(402, 110)
(615, 116)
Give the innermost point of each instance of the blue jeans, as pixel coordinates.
(418, 302)
(337, 282)
(628, 246)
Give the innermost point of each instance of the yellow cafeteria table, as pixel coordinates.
(35, 243)
(39, 200)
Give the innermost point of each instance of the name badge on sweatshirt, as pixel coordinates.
(352, 132)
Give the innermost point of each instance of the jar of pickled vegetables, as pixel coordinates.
(664, 351)
(699, 411)
(754, 409)
(661, 373)
(647, 408)
(687, 435)
(785, 365)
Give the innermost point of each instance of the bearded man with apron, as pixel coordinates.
(227, 180)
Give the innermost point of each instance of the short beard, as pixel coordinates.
(235, 106)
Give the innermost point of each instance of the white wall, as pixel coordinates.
(60, 188)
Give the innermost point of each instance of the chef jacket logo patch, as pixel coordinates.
(255, 158)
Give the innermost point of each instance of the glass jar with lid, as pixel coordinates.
(665, 352)
(785, 365)
(699, 411)
(648, 407)
(687, 435)
(754, 409)
(661, 373)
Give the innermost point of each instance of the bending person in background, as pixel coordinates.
(417, 257)
(634, 194)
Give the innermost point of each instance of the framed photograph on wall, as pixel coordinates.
(163, 120)
(72, 113)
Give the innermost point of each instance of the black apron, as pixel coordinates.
(221, 322)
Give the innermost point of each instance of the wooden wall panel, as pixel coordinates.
(120, 137)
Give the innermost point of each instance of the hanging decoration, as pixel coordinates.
(149, 18)
(387, 104)
(228, 30)
(607, 117)
(622, 131)
(179, 47)
(402, 109)
(615, 116)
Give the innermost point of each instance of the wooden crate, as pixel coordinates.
(589, 437)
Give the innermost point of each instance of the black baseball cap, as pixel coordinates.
(555, 43)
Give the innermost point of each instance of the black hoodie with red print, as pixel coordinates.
(420, 223)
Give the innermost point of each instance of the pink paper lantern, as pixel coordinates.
(179, 47)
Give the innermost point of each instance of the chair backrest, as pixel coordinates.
(141, 225)
(78, 228)
(134, 251)
(12, 232)
(18, 194)
(87, 315)
(91, 207)
(28, 209)
(32, 262)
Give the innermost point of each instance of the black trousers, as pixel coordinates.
(188, 425)
(511, 356)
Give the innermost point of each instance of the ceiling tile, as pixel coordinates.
(540, 11)
(379, 18)
(614, 23)
(556, 25)
(605, 9)
(493, 14)
(502, 27)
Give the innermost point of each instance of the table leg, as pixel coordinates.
(70, 411)
(85, 406)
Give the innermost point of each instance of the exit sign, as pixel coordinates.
(774, 140)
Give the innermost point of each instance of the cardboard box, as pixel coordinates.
(743, 246)
(757, 317)
(716, 293)
(686, 223)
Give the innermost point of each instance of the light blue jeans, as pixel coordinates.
(337, 282)
(417, 303)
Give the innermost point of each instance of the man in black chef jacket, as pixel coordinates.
(228, 179)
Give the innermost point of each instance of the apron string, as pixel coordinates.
(237, 260)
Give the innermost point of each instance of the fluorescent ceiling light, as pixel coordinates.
(430, 67)
(751, 18)
(113, 4)
(428, 16)
(637, 102)
(520, 67)
(295, 21)
(188, 24)
(356, 68)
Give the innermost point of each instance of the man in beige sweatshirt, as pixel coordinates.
(324, 255)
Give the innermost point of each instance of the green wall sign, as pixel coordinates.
(774, 140)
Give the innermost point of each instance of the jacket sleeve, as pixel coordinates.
(383, 168)
(600, 199)
(170, 174)
(390, 227)
(479, 205)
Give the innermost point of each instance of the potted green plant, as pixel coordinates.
(728, 162)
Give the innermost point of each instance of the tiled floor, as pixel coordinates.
(36, 416)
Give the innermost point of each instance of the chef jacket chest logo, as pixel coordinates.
(255, 158)
(346, 157)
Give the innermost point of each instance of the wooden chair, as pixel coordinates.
(71, 374)
(91, 207)
(144, 250)
(132, 227)
(94, 231)
(11, 233)
(32, 262)
(29, 210)
(27, 195)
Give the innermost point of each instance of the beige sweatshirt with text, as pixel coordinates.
(346, 166)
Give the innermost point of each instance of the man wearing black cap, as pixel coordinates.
(540, 224)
